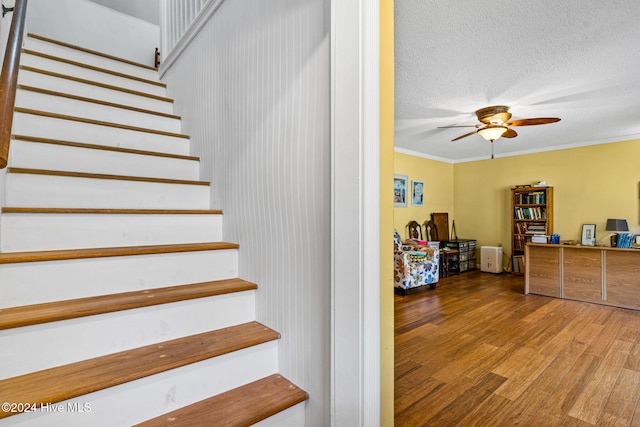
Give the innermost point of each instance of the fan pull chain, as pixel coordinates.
(492, 148)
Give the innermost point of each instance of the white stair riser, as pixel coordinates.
(43, 191)
(89, 110)
(39, 282)
(42, 232)
(87, 58)
(96, 76)
(31, 78)
(68, 130)
(32, 155)
(140, 400)
(291, 417)
(38, 347)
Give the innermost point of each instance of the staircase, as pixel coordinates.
(119, 301)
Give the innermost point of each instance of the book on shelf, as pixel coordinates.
(536, 229)
(520, 241)
(529, 213)
(529, 228)
(518, 264)
(625, 240)
(531, 198)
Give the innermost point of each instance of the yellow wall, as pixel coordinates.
(438, 190)
(386, 212)
(590, 184)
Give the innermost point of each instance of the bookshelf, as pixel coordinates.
(531, 214)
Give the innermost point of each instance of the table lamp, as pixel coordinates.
(616, 225)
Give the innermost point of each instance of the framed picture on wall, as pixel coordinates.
(417, 193)
(400, 190)
(588, 234)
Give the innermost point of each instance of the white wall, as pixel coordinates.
(96, 27)
(148, 10)
(254, 90)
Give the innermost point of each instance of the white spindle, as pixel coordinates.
(177, 16)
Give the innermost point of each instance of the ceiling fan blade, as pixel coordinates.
(510, 133)
(465, 135)
(531, 122)
(460, 126)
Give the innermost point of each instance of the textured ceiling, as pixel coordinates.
(574, 59)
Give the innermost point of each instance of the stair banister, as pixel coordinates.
(9, 78)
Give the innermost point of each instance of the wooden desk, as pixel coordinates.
(596, 274)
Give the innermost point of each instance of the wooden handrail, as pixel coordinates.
(9, 78)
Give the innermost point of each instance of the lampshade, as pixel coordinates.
(491, 133)
(617, 225)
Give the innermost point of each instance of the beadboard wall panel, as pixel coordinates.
(176, 16)
(253, 88)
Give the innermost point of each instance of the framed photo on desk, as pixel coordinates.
(588, 235)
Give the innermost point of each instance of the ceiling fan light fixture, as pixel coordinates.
(491, 133)
(500, 118)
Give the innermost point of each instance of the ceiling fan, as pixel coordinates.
(494, 123)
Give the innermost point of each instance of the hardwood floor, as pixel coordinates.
(478, 352)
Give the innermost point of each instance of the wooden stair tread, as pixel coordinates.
(92, 67)
(76, 379)
(104, 176)
(16, 317)
(243, 406)
(94, 83)
(97, 122)
(68, 254)
(111, 211)
(101, 147)
(95, 101)
(93, 52)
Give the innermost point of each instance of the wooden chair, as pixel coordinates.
(414, 231)
(430, 231)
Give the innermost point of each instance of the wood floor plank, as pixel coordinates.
(623, 399)
(633, 361)
(592, 400)
(565, 394)
(557, 362)
(454, 412)
(413, 388)
(484, 414)
(460, 365)
(532, 369)
(422, 410)
(551, 377)
(526, 374)
(635, 422)
(522, 411)
(574, 422)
